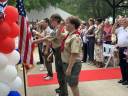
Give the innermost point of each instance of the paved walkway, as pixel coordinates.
(87, 88)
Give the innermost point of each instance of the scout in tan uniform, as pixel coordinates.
(55, 21)
(71, 54)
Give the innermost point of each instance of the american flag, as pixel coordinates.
(25, 38)
(3, 5)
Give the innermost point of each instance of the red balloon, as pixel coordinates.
(11, 14)
(15, 29)
(4, 30)
(7, 45)
(3, 0)
(1, 17)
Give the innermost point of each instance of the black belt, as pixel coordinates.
(123, 47)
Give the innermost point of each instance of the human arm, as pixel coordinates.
(36, 33)
(75, 51)
(47, 48)
(72, 60)
(90, 29)
(60, 31)
(92, 35)
(114, 31)
(40, 40)
(89, 32)
(115, 26)
(49, 57)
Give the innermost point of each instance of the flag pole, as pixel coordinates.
(22, 45)
(24, 78)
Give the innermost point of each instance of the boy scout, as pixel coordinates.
(55, 21)
(71, 54)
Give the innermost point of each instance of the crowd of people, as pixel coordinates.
(73, 41)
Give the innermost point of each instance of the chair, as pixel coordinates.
(108, 53)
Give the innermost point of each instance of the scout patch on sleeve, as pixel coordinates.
(76, 45)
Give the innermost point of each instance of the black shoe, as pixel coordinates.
(121, 81)
(62, 95)
(58, 90)
(38, 63)
(83, 61)
(125, 83)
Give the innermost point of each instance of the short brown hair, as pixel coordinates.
(75, 21)
(56, 17)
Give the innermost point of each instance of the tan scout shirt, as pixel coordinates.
(73, 44)
(55, 42)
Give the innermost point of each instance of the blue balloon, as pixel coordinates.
(20, 58)
(14, 93)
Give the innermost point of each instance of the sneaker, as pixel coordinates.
(42, 68)
(45, 76)
(48, 78)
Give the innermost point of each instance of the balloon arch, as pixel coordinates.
(9, 30)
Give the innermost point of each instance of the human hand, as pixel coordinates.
(34, 31)
(50, 57)
(34, 42)
(45, 52)
(68, 72)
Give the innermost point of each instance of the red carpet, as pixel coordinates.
(86, 75)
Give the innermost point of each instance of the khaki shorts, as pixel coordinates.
(74, 78)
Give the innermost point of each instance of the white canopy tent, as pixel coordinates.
(46, 13)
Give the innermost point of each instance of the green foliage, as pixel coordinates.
(36, 4)
(89, 8)
(82, 8)
(11, 2)
(95, 8)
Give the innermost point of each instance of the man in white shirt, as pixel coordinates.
(46, 30)
(122, 43)
(83, 31)
(46, 48)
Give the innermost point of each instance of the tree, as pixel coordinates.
(36, 4)
(89, 8)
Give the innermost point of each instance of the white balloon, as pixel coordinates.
(16, 84)
(4, 89)
(3, 61)
(8, 74)
(13, 57)
(16, 42)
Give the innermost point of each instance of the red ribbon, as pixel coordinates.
(63, 42)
